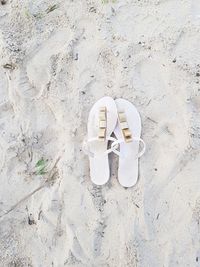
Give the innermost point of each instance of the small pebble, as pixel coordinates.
(3, 2)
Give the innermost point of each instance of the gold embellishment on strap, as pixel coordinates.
(102, 124)
(124, 127)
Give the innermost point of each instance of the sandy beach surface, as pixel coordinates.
(57, 58)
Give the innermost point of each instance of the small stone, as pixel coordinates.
(31, 220)
(3, 2)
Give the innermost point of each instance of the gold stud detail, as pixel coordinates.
(122, 116)
(124, 127)
(102, 124)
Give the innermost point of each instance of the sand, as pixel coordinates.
(56, 59)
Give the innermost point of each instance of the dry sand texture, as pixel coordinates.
(57, 58)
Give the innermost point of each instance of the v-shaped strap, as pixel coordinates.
(116, 144)
(92, 154)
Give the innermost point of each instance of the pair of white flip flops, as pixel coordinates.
(108, 116)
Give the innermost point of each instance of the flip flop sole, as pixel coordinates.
(99, 167)
(128, 161)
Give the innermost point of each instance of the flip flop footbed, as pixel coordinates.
(99, 166)
(128, 160)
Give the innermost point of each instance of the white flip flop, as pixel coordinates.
(128, 132)
(102, 121)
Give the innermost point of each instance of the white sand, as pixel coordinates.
(146, 51)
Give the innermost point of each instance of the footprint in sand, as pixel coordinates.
(5, 105)
(3, 148)
(35, 74)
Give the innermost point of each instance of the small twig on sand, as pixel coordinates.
(22, 200)
(51, 8)
(47, 181)
(9, 66)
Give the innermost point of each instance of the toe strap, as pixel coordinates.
(87, 151)
(116, 144)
